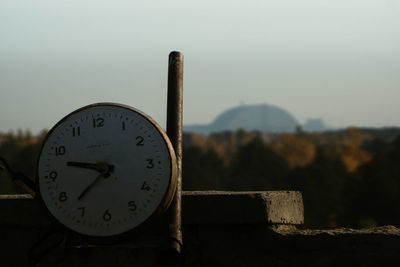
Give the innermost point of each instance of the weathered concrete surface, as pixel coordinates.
(388, 230)
(219, 229)
(24, 221)
(258, 245)
(227, 207)
(199, 207)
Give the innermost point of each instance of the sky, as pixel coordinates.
(338, 60)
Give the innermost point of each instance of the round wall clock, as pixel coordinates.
(105, 169)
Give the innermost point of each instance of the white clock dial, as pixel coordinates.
(105, 169)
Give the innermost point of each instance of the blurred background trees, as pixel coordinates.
(349, 178)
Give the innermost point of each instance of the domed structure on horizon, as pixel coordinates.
(262, 117)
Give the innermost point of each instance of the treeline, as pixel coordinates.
(348, 178)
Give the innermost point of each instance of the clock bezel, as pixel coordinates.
(162, 206)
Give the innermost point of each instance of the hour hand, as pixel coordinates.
(85, 165)
(101, 167)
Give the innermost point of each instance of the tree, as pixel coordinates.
(202, 170)
(256, 167)
(325, 184)
(297, 151)
(381, 184)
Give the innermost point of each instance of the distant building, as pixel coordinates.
(266, 118)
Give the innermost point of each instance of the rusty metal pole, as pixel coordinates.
(174, 132)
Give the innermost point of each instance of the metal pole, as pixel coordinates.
(174, 132)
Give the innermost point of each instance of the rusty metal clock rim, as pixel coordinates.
(163, 205)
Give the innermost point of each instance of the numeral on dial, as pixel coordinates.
(82, 210)
(76, 131)
(99, 122)
(139, 140)
(107, 216)
(53, 175)
(60, 150)
(62, 197)
(150, 164)
(145, 186)
(132, 205)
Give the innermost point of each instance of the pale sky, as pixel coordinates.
(333, 59)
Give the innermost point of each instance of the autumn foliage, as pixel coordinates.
(349, 177)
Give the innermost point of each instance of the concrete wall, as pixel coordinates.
(219, 229)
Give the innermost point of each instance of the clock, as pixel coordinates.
(105, 169)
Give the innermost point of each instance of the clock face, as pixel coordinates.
(106, 168)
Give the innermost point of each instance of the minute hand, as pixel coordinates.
(98, 178)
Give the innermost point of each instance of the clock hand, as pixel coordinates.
(101, 167)
(98, 178)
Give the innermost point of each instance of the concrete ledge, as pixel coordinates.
(198, 207)
(288, 230)
(22, 211)
(284, 245)
(220, 229)
(24, 221)
(258, 207)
